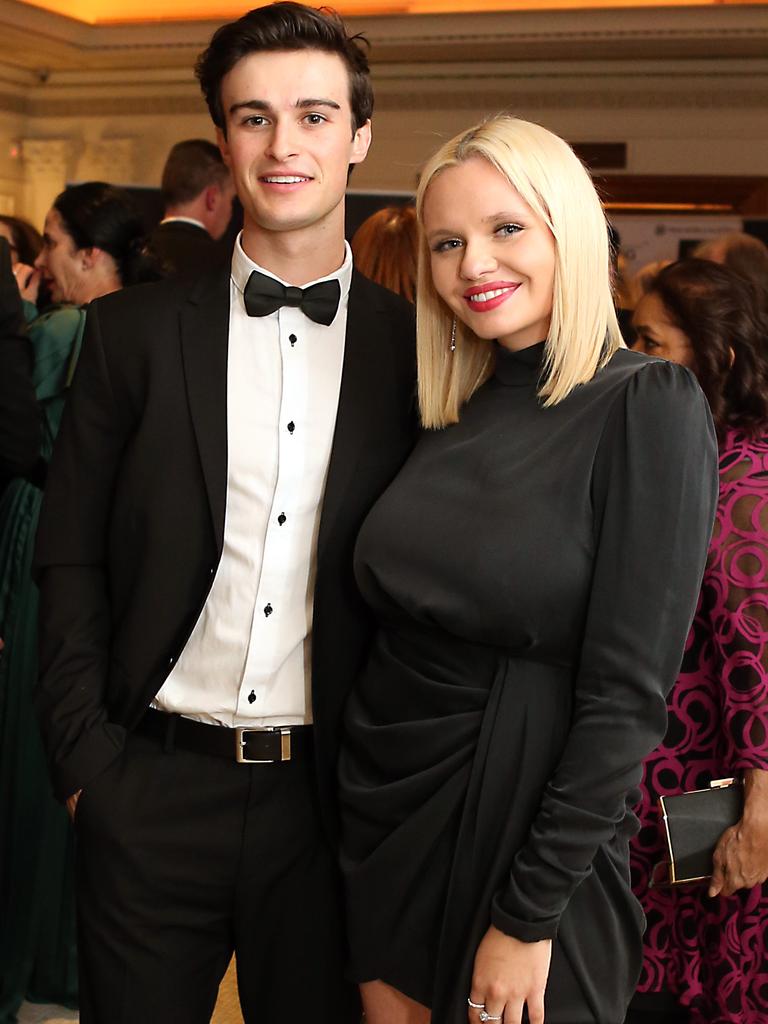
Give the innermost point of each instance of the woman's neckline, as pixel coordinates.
(520, 367)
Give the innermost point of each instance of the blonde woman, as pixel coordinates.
(534, 570)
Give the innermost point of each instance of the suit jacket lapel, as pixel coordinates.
(204, 327)
(356, 418)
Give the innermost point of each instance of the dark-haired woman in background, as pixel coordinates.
(93, 245)
(705, 956)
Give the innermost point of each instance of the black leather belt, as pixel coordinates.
(267, 745)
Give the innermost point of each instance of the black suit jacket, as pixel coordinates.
(186, 250)
(19, 414)
(132, 524)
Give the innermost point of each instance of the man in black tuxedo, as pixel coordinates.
(19, 414)
(201, 627)
(197, 193)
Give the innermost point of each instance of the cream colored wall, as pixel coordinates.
(677, 142)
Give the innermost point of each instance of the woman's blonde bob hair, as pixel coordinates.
(584, 332)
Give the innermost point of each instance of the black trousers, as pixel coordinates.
(183, 858)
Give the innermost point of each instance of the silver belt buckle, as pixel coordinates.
(240, 741)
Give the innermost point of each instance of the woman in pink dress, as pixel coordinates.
(705, 955)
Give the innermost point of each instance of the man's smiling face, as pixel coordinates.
(290, 138)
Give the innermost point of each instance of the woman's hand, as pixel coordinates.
(740, 860)
(741, 857)
(28, 281)
(509, 974)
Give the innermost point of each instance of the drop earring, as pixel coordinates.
(453, 335)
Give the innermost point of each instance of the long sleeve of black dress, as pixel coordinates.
(654, 491)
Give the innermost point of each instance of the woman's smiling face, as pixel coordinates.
(492, 257)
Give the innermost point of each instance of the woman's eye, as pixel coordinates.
(505, 230)
(447, 245)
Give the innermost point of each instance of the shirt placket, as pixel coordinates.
(272, 613)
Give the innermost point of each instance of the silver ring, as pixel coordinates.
(475, 1006)
(484, 1015)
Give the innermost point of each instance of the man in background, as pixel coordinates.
(197, 192)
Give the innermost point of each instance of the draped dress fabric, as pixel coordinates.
(713, 953)
(534, 573)
(37, 914)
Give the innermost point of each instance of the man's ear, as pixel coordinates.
(212, 196)
(361, 142)
(221, 142)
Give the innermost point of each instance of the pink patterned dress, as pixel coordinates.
(713, 953)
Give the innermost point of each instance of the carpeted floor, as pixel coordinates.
(227, 1008)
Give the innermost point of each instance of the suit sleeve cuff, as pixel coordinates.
(92, 753)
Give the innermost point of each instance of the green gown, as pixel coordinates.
(37, 917)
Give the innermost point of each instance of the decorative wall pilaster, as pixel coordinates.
(108, 159)
(46, 166)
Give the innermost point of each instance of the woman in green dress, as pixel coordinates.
(93, 244)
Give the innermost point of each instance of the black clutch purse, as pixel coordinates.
(694, 822)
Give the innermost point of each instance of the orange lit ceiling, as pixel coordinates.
(124, 11)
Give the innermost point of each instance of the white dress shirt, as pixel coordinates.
(248, 659)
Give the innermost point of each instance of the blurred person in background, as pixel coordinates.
(745, 255)
(93, 244)
(385, 249)
(621, 286)
(19, 417)
(25, 241)
(640, 282)
(705, 956)
(197, 192)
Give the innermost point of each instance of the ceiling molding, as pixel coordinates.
(515, 94)
(40, 40)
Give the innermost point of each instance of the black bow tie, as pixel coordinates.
(263, 295)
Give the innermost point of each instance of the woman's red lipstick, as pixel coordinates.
(493, 294)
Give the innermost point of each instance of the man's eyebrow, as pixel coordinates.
(251, 105)
(263, 107)
(303, 104)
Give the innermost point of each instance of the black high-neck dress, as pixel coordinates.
(534, 573)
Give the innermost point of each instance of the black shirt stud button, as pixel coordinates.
(291, 427)
(251, 697)
(281, 518)
(267, 610)
(293, 339)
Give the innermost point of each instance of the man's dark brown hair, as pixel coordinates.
(285, 26)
